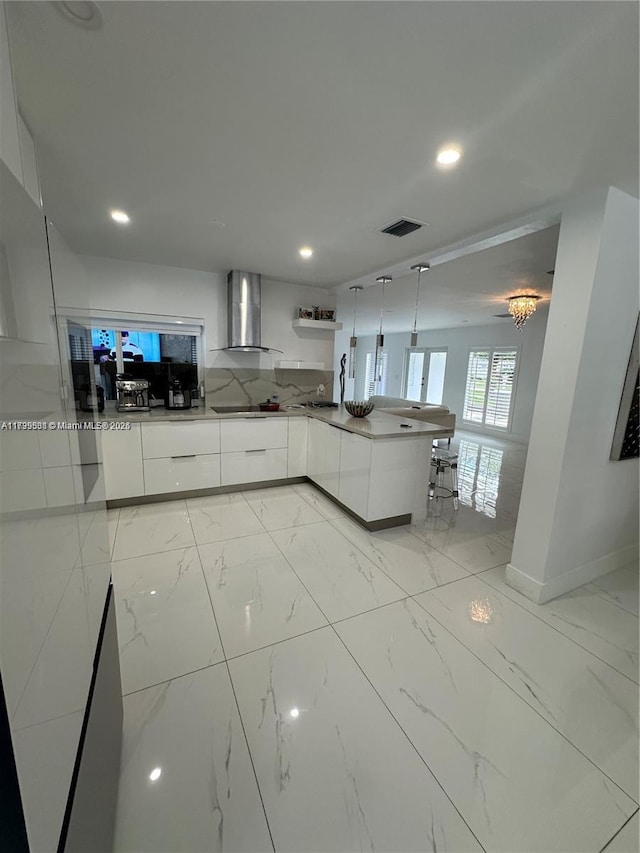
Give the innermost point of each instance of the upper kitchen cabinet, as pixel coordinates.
(9, 128)
(26, 295)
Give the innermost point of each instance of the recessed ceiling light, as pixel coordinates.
(120, 216)
(83, 13)
(155, 774)
(448, 156)
(306, 252)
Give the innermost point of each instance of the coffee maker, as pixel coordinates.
(177, 397)
(133, 395)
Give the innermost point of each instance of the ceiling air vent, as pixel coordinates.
(402, 227)
(502, 316)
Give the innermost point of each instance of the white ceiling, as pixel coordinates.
(317, 123)
(468, 290)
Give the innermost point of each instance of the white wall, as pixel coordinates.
(579, 511)
(124, 286)
(458, 342)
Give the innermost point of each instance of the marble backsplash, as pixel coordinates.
(250, 386)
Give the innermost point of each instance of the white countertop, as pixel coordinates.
(377, 425)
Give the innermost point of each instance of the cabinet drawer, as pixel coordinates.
(252, 434)
(253, 466)
(180, 439)
(181, 474)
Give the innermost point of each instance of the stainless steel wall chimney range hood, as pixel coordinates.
(244, 297)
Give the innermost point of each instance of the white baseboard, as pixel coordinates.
(567, 581)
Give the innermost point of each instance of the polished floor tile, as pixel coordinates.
(221, 517)
(187, 784)
(59, 681)
(467, 709)
(406, 559)
(619, 587)
(590, 620)
(166, 625)
(335, 771)
(27, 609)
(591, 704)
(341, 580)
(318, 501)
(152, 529)
(281, 507)
(627, 840)
(45, 755)
(97, 545)
(502, 765)
(257, 597)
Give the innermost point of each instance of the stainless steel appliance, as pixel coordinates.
(133, 395)
(177, 396)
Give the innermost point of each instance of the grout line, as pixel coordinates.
(413, 746)
(615, 835)
(522, 698)
(173, 678)
(544, 621)
(233, 690)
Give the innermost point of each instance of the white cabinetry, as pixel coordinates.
(189, 438)
(297, 447)
(181, 473)
(252, 433)
(375, 479)
(253, 450)
(253, 466)
(122, 458)
(9, 133)
(181, 457)
(323, 456)
(355, 471)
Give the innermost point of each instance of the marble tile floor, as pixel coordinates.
(295, 683)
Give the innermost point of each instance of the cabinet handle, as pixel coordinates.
(185, 456)
(262, 450)
(256, 418)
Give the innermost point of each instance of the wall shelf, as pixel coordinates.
(327, 325)
(300, 365)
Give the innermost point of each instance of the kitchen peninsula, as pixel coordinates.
(376, 467)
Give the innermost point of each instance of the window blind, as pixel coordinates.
(489, 388)
(370, 384)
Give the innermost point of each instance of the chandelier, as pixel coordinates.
(522, 307)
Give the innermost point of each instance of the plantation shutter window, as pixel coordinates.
(490, 386)
(370, 385)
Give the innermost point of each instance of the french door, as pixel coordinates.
(424, 374)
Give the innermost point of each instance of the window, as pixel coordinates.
(370, 384)
(158, 349)
(488, 394)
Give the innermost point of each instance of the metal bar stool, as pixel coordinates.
(442, 461)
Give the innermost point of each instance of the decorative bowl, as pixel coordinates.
(359, 408)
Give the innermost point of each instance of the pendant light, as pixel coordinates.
(354, 340)
(414, 335)
(377, 368)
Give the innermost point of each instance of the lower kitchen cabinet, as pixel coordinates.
(169, 439)
(323, 456)
(297, 447)
(253, 466)
(122, 459)
(355, 472)
(181, 473)
(237, 434)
